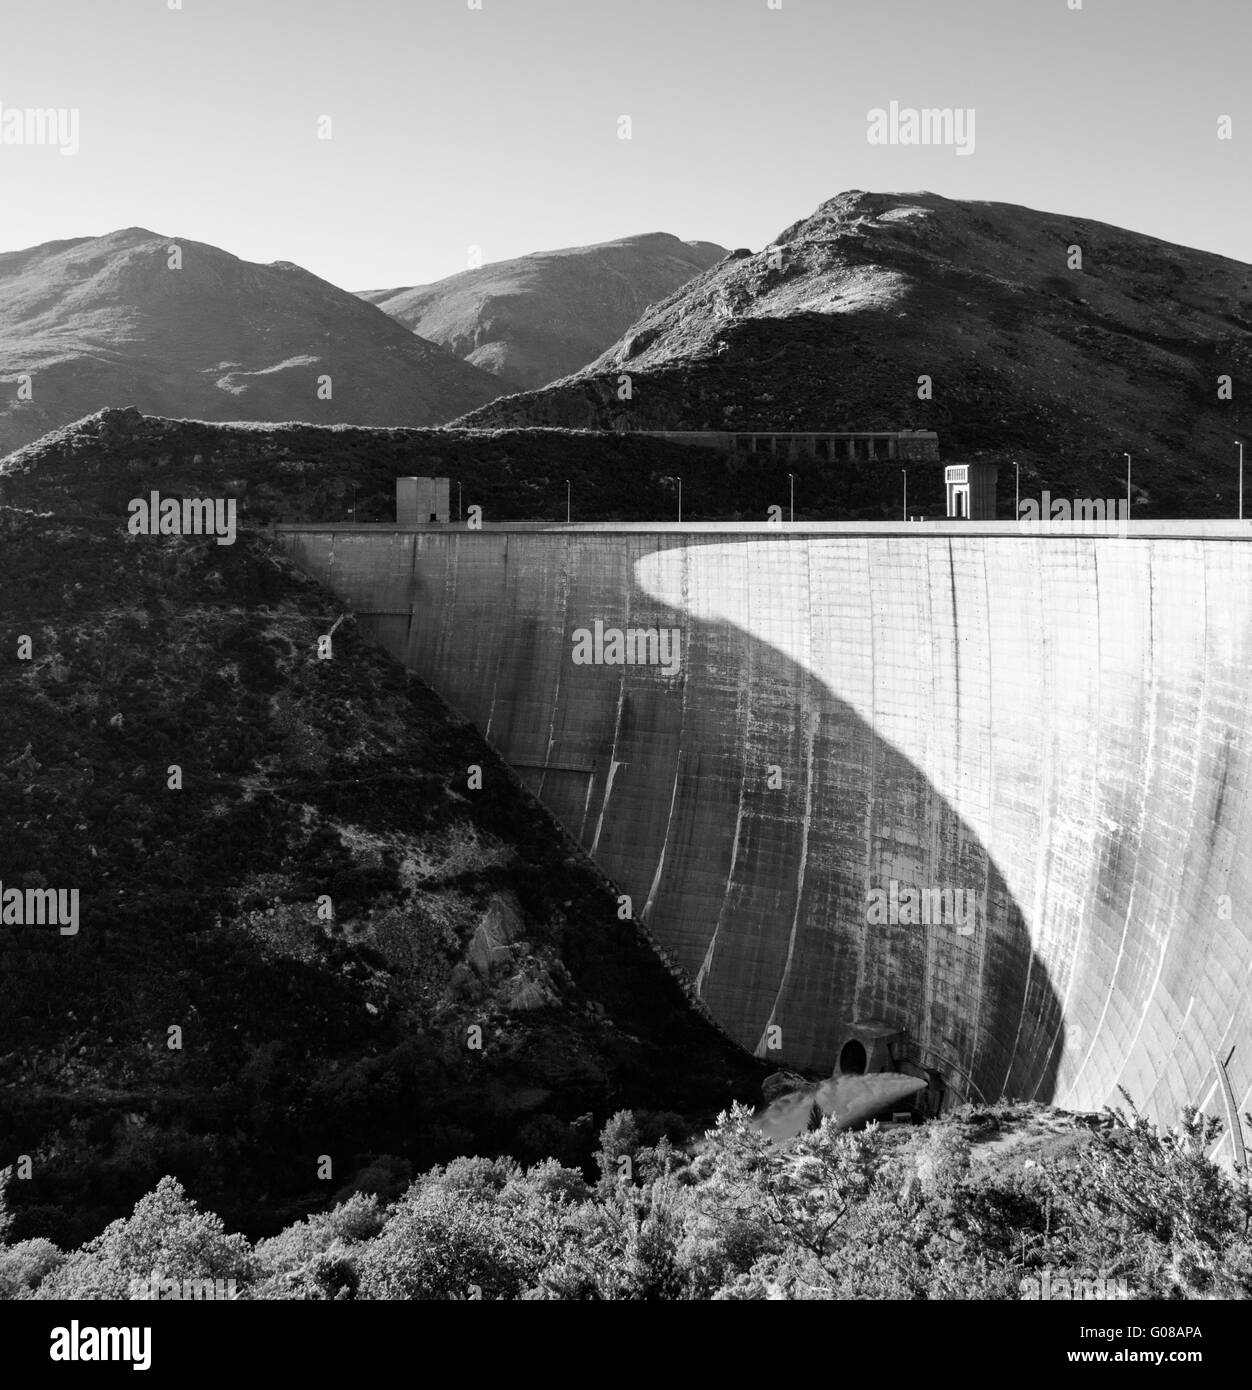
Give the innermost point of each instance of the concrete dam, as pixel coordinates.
(1057, 727)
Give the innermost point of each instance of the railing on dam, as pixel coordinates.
(882, 530)
(917, 446)
(909, 446)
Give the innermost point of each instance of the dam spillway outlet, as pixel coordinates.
(1057, 725)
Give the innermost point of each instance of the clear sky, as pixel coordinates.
(498, 127)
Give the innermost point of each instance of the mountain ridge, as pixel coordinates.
(834, 324)
(180, 327)
(536, 318)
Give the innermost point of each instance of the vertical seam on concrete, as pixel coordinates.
(989, 864)
(500, 646)
(1033, 961)
(1097, 1033)
(408, 632)
(958, 810)
(963, 815)
(956, 650)
(608, 791)
(669, 820)
(810, 739)
(1187, 839)
(562, 581)
(566, 630)
(684, 597)
(685, 600)
(617, 730)
(1046, 791)
(1058, 1037)
(935, 822)
(744, 713)
(871, 787)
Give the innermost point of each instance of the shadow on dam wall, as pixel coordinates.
(1061, 726)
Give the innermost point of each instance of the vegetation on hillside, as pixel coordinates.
(879, 1214)
(321, 473)
(284, 957)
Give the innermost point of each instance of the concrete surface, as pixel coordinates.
(1061, 723)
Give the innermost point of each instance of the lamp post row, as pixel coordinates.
(791, 478)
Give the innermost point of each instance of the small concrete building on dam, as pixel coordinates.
(946, 795)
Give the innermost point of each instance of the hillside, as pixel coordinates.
(539, 317)
(316, 472)
(105, 321)
(344, 1033)
(1063, 370)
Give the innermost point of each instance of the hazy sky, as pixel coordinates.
(498, 127)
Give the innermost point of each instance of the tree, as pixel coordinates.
(165, 1237)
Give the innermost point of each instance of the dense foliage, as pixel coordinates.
(302, 1035)
(876, 1214)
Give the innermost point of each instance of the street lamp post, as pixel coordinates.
(680, 501)
(1127, 485)
(1017, 488)
(458, 499)
(792, 478)
(905, 471)
(567, 511)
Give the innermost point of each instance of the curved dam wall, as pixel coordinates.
(1059, 727)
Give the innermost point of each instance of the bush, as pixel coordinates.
(438, 1245)
(315, 1257)
(165, 1237)
(24, 1265)
(619, 1139)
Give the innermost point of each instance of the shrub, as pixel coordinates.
(24, 1265)
(165, 1237)
(438, 1245)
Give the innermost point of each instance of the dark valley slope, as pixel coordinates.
(306, 781)
(539, 317)
(1062, 369)
(106, 321)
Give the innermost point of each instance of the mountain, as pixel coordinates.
(105, 321)
(1062, 369)
(542, 316)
